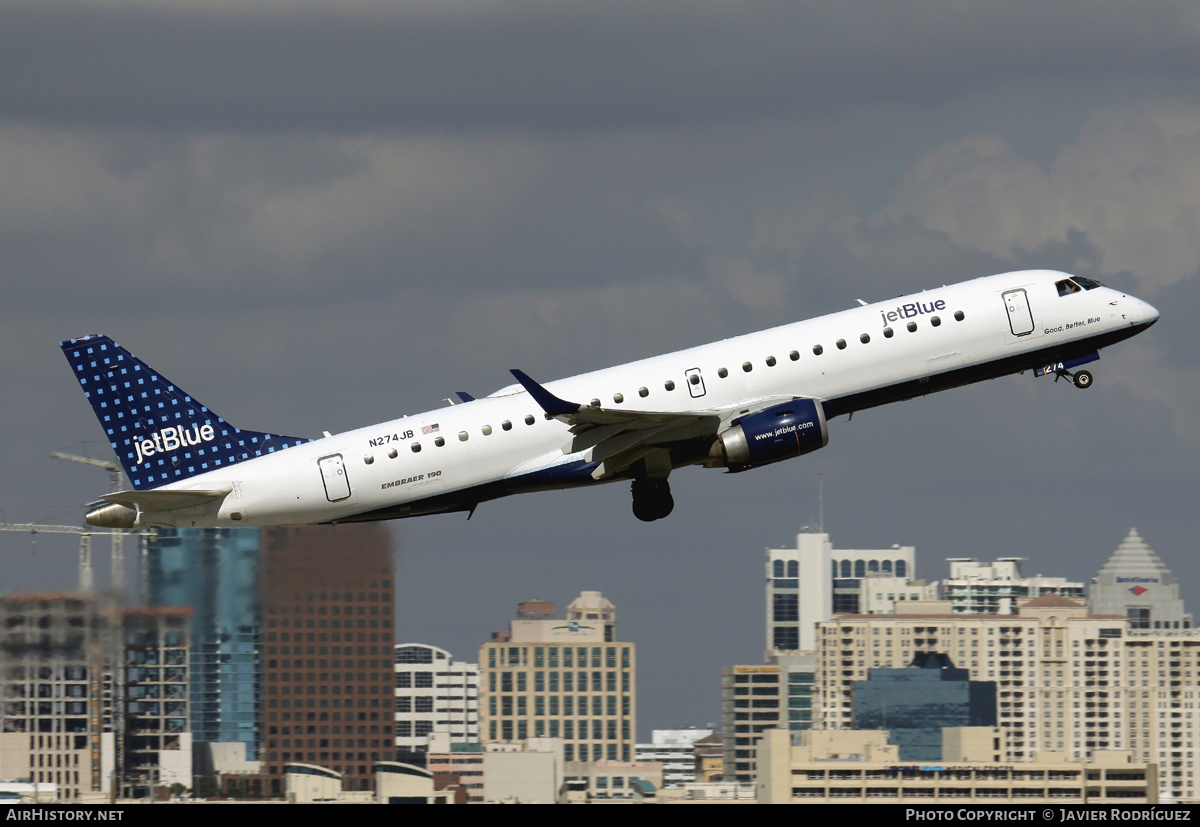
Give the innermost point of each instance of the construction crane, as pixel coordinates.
(115, 478)
(85, 545)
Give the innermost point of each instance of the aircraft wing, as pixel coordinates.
(617, 437)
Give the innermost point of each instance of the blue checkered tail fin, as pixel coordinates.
(160, 433)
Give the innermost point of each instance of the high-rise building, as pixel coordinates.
(755, 698)
(1135, 583)
(752, 701)
(675, 749)
(327, 598)
(84, 696)
(434, 693)
(570, 679)
(810, 582)
(215, 571)
(915, 703)
(1050, 653)
(53, 662)
(157, 741)
(996, 588)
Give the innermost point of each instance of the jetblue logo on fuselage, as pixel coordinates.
(168, 439)
(907, 311)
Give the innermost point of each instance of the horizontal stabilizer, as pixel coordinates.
(166, 500)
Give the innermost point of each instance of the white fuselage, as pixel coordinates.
(491, 443)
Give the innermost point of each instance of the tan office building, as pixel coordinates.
(1065, 680)
(861, 767)
(568, 679)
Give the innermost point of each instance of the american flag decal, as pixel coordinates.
(426, 430)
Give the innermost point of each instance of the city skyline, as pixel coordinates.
(653, 673)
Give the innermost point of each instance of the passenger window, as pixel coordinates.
(818, 350)
(959, 315)
(864, 338)
(746, 366)
(888, 333)
(935, 321)
(643, 392)
(595, 403)
(694, 379)
(391, 453)
(722, 372)
(669, 385)
(506, 425)
(487, 430)
(416, 447)
(439, 442)
(841, 344)
(912, 327)
(770, 361)
(529, 419)
(618, 398)
(794, 355)
(462, 436)
(368, 458)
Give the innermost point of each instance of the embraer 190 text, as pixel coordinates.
(736, 404)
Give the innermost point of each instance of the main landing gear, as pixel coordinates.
(652, 498)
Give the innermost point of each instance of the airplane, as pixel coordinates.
(736, 404)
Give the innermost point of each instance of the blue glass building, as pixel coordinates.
(915, 703)
(216, 572)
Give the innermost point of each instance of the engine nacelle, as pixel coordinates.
(770, 435)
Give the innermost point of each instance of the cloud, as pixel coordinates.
(471, 67)
(1127, 183)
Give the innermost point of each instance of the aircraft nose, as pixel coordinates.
(1149, 312)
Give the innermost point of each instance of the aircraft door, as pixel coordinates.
(695, 382)
(333, 474)
(1020, 318)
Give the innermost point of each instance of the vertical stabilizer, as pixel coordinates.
(161, 435)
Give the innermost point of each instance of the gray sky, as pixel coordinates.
(317, 216)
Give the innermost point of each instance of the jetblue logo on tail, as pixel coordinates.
(168, 439)
(147, 418)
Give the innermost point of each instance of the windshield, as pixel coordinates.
(1076, 284)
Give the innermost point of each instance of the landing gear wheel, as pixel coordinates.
(652, 499)
(1082, 379)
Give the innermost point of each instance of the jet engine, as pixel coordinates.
(776, 433)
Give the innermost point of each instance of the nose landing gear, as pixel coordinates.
(652, 499)
(1082, 379)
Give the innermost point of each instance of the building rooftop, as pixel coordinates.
(1134, 558)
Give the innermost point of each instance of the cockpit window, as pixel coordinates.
(1076, 284)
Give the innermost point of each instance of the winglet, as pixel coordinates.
(464, 396)
(550, 403)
